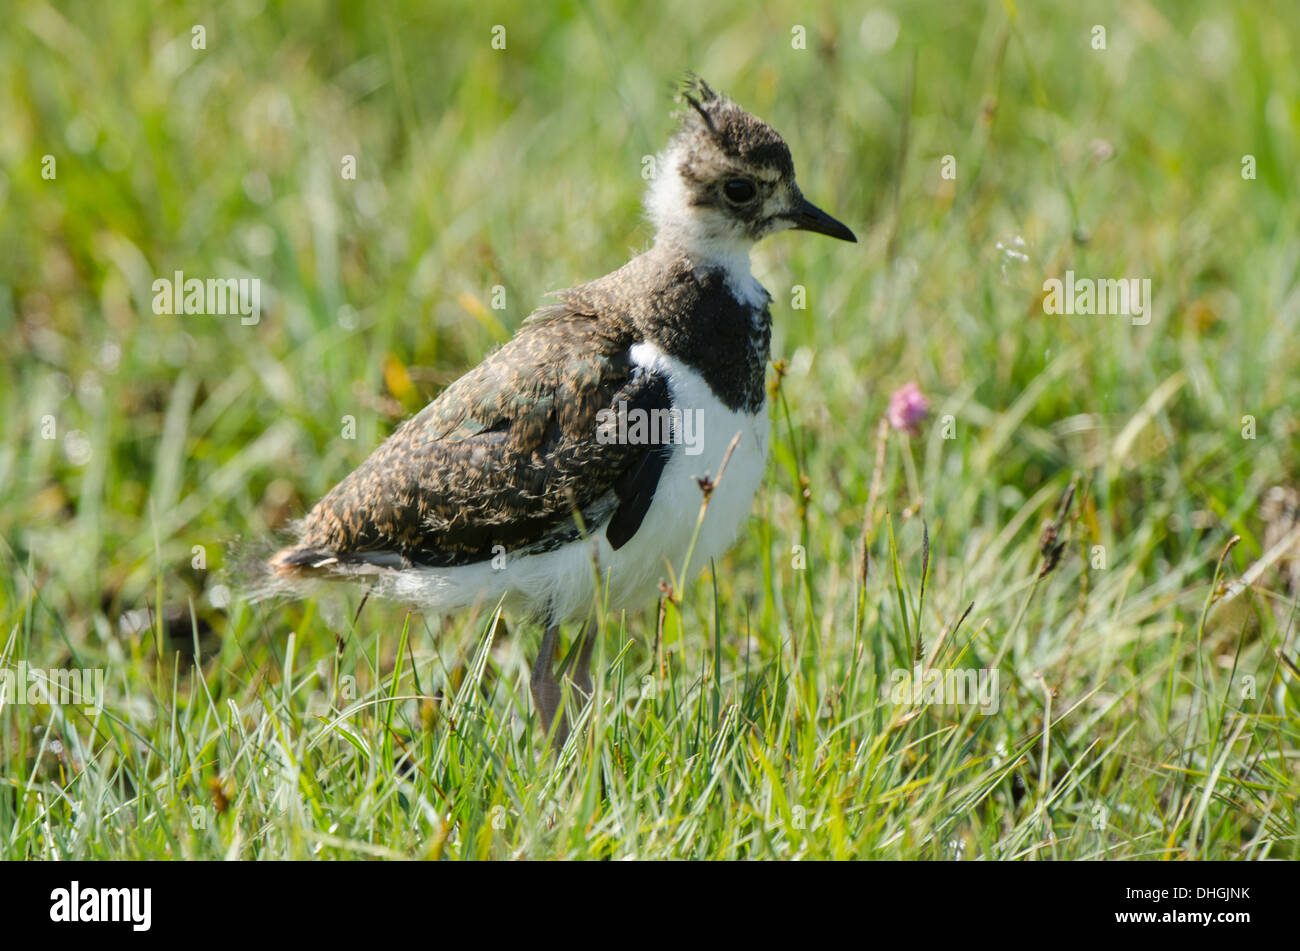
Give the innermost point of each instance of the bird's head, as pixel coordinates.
(726, 180)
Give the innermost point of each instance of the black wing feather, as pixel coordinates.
(635, 489)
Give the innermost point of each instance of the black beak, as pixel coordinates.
(808, 217)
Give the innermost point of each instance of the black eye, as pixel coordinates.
(739, 190)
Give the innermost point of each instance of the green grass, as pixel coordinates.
(1147, 707)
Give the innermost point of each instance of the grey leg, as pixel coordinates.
(545, 689)
(580, 677)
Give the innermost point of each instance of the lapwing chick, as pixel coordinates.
(575, 451)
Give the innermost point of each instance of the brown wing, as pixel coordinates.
(504, 456)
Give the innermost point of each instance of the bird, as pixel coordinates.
(567, 467)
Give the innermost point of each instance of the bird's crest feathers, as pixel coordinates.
(716, 124)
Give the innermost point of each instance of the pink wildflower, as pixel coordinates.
(908, 407)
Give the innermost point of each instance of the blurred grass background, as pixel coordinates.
(174, 437)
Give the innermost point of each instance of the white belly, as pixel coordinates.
(564, 580)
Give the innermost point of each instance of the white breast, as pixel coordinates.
(563, 581)
(666, 532)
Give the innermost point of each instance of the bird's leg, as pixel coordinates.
(580, 676)
(545, 689)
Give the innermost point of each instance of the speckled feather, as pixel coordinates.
(507, 453)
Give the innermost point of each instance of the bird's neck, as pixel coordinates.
(705, 251)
